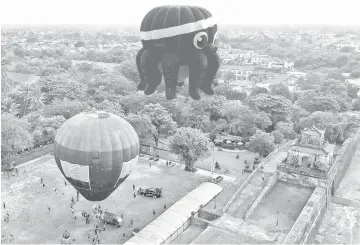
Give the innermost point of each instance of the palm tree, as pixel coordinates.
(8, 105)
(36, 98)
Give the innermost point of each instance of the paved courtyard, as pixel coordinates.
(31, 222)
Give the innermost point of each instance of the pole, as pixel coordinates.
(212, 165)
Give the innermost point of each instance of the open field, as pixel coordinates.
(20, 78)
(31, 222)
(226, 160)
(283, 202)
(107, 66)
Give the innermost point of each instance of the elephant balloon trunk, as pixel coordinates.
(170, 65)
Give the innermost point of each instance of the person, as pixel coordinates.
(263, 176)
(55, 189)
(124, 235)
(134, 195)
(72, 200)
(133, 187)
(11, 238)
(131, 223)
(43, 185)
(49, 208)
(164, 206)
(154, 212)
(245, 162)
(4, 205)
(65, 182)
(75, 218)
(237, 156)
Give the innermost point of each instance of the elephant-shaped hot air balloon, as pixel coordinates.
(95, 151)
(175, 36)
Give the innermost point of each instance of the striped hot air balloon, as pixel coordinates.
(95, 152)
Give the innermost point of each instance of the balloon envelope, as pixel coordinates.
(94, 151)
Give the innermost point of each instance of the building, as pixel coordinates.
(259, 59)
(242, 73)
(296, 73)
(311, 151)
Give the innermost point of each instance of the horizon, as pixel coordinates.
(131, 13)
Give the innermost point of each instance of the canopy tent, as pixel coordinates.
(175, 217)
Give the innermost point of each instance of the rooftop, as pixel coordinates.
(237, 67)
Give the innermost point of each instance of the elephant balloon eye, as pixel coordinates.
(200, 40)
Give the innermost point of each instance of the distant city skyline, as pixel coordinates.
(120, 12)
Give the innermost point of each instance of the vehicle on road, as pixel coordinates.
(216, 179)
(113, 219)
(150, 192)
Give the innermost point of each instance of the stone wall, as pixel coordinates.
(208, 215)
(263, 192)
(302, 180)
(345, 155)
(249, 178)
(308, 218)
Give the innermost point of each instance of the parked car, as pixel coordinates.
(150, 192)
(112, 219)
(217, 179)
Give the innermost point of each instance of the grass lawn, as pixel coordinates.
(286, 198)
(108, 66)
(31, 222)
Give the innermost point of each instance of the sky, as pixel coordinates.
(244, 12)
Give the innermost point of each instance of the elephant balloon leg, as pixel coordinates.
(170, 65)
(211, 70)
(197, 68)
(149, 65)
(142, 85)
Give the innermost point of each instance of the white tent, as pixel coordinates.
(173, 219)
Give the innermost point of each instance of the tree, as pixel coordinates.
(160, 118)
(334, 133)
(281, 89)
(356, 104)
(189, 145)
(258, 90)
(243, 121)
(286, 129)
(297, 112)
(277, 106)
(229, 76)
(261, 142)
(142, 125)
(278, 136)
(352, 90)
(61, 87)
(229, 93)
(66, 108)
(355, 74)
(79, 44)
(318, 119)
(313, 101)
(14, 135)
(128, 69)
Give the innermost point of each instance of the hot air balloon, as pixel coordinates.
(175, 36)
(95, 151)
